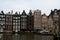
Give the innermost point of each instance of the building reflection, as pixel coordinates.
(25, 36)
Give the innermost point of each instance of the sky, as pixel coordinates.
(19, 5)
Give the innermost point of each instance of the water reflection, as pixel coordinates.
(25, 36)
(16, 36)
(1, 36)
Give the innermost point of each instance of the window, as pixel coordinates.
(13, 23)
(3, 18)
(0, 15)
(55, 16)
(18, 24)
(18, 21)
(55, 13)
(18, 17)
(23, 19)
(1, 23)
(23, 23)
(14, 17)
(23, 16)
(3, 15)
(44, 16)
(0, 18)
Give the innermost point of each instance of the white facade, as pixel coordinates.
(16, 23)
(2, 22)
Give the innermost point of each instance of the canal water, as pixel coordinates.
(25, 36)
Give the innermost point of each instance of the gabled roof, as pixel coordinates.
(44, 14)
(37, 10)
(24, 13)
(2, 12)
(52, 12)
(30, 12)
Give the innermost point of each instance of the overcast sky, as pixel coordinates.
(19, 5)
